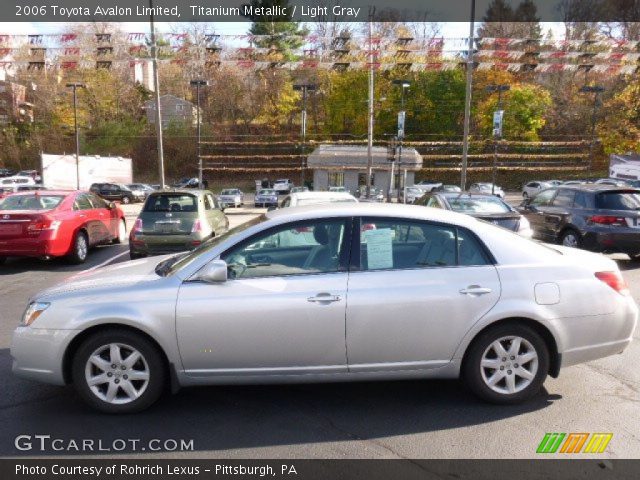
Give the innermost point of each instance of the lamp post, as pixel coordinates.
(156, 87)
(404, 85)
(497, 130)
(304, 88)
(596, 90)
(198, 84)
(467, 98)
(75, 86)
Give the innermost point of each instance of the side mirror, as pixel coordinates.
(215, 272)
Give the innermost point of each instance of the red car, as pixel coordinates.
(57, 223)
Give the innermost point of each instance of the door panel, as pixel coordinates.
(262, 325)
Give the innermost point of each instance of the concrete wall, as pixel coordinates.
(380, 179)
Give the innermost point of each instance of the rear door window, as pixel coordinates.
(564, 198)
(544, 198)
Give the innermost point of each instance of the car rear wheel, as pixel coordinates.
(79, 249)
(122, 232)
(118, 371)
(506, 364)
(126, 200)
(570, 238)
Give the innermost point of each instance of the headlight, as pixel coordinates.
(34, 310)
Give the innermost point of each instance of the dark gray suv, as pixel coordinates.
(600, 218)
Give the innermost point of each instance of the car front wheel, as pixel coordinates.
(506, 364)
(118, 371)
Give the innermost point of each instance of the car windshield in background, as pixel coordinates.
(31, 202)
(478, 205)
(267, 192)
(171, 202)
(320, 201)
(618, 200)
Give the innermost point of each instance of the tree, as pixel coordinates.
(620, 127)
(502, 21)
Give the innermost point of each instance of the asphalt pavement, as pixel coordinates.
(405, 419)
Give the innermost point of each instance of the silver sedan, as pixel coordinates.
(331, 293)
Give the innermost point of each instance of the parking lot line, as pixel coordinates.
(108, 261)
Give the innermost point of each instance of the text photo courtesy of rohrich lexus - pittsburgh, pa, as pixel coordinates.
(319, 239)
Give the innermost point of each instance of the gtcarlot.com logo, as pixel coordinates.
(574, 442)
(47, 443)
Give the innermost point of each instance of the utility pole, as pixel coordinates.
(467, 100)
(198, 84)
(596, 90)
(156, 87)
(370, 125)
(403, 84)
(497, 130)
(304, 88)
(75, 86)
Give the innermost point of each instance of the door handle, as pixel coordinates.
(324, 297)
(475, 290)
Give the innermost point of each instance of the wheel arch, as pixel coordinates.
(72, 348)
(566, 228)
(555, 358)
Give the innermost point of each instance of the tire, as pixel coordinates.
(115, 392)
(79, 249)
(570, 238)
(135, 256)
(122, 232)
(126, 200)
(508, 388)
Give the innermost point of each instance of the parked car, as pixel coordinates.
(57, 223)
(576, 182)
(428, 185)
(554, 183)
(283, 186)
(612, 181)
(448, 188)
(530, 189)
(16, 180)
(267, 197)
(303, 199)
(484, 207)
(299, 189)
(413, 194)
(376, 195)
(31, 173)
(187, 182)
(176, 221)
(231, 197)
(431, 293)
(487, 189)
(595, 217)
(6, 172)
(142, 189)
(116, 192)
(19, 187)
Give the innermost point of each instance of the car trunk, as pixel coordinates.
(19, 224)
(510, 221)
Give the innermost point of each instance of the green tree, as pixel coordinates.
(620, 129)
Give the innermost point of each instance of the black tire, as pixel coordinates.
(79, 255)
(135, 256)
(150, 353)
(472, 373)
(126, 200)
(569, 233)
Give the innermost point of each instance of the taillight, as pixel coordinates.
(615, 281)
(137, 226)
(608, 220)
(197, 226)
(40, 224)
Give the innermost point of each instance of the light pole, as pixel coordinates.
(467, 99)
(596, 90)
(497, 130)
(156, 87)
(304, 88)
(198, 84)
(404, 85)
(75, 86)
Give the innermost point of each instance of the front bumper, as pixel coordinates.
(38, 353)
(266, 202)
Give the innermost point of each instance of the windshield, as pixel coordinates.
(618, 200)
(178, 262)
(267, 192)
(478, 205)
(171, 202)
(31, 202)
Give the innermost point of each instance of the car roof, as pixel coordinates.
(49, 192)
(305, 195)
(465, 194)
(193, 191)
(595, 187)
(371, 210)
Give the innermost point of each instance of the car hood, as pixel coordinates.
(120, 275)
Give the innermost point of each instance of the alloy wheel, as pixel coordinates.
(81, 247)
(570, 240)
(117, 373)
(509, 365)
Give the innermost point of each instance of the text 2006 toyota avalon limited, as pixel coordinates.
(357, 292)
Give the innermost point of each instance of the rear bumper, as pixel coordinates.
(33, 247)
(625, 241)
(163, 244)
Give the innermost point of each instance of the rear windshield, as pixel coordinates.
(478, 205)
(618, 200)
(31, 202)
(171, 202)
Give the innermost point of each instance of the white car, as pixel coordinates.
(487, 189)
(283, 185)
(531, 189)
(17, 180)
(374, 292)
(428, 185)
(303, 199)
